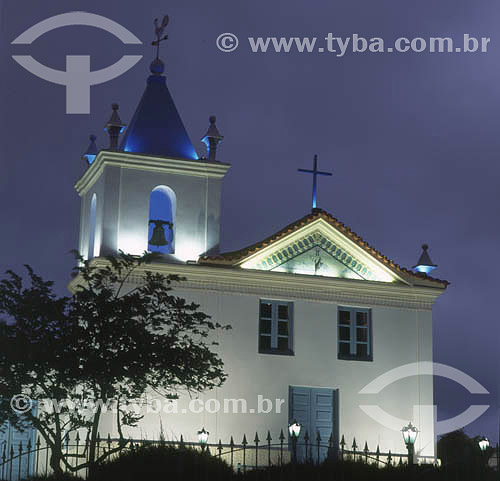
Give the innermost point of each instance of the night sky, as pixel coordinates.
(412, 140)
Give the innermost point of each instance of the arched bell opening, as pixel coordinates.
(161, 232)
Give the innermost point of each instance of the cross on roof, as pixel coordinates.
(315, 172)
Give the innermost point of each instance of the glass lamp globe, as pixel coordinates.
(484, 444)
(203, 436)
(409, 434)
(294, 429)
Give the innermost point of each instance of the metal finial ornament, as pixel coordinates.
(91, 153)
(158, 235)
(212, 138)
(315, 173)
(159, 29)
(114, 127)
(424, 264)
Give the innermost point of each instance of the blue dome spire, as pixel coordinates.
(156, 127)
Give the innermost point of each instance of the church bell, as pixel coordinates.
(158, 235)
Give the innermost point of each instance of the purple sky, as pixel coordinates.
(412, 140)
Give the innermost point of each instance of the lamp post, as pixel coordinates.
(294, 431)
(203, 438)
(410, 435)
(484, 444)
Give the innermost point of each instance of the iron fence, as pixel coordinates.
(20, 462)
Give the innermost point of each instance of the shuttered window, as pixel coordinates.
(354, 334)
(275, 327)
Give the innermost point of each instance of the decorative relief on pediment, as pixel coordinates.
(315, 254)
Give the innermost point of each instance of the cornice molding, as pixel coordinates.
(291, 286)
(321, 234)
(193, 168)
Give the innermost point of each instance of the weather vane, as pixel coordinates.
(159, 29)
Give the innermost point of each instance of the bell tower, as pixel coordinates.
(150, 191)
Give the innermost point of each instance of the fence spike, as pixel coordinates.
(28, 447)
(354, 445)
(20, 447)
(269, 439)
(389, 458)
(366, 450)
(109, 440)
(231, 445)
(244, 443)
(342, 442)
(38, 442)
(400, 461)
(330, 440)
(256, 441)
(318, 438)
(306, 436)
(219, 448)
(181, 442)
(98, 439)
(281, 438)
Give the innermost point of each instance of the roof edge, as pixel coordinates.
(231, 259)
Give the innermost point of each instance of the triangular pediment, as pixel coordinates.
(320, 245)
(320, 249)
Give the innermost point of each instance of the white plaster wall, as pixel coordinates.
(400, 336)
(123, 212)
(193, 211)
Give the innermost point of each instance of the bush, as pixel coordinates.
(358, 471)
(162, 462)
(159, 462)
(53, 477)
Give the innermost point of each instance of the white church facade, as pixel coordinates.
(316, 313)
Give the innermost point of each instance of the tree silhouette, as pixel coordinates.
(119, 335)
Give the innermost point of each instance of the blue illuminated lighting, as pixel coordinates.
(90, 158)
(424, 264)
(424, 269)
(315, 172)
(132, 147)
(156, 127)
